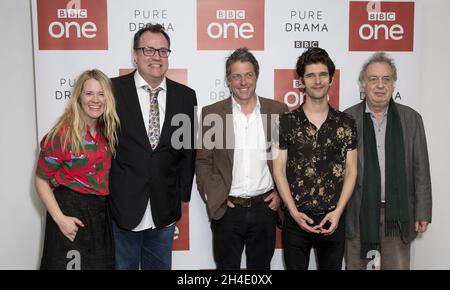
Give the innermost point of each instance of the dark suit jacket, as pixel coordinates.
(418, 181)
(214, 167)
(138, 173)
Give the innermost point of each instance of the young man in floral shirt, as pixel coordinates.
(315, 168)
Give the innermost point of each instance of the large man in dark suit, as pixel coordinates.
(234, 173)
(151, 174)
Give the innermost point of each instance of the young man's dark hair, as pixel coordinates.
(314, 55)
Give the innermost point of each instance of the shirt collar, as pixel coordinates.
(235, 104)
(97, 131)
(332, 114)
(141, 83)
(368, 110)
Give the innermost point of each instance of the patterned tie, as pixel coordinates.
(153, 127)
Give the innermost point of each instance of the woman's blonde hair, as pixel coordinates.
(72, 122)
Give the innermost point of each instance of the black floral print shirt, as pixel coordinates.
(316, 158)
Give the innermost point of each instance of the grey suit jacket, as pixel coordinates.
(214, 166)
(418, 180)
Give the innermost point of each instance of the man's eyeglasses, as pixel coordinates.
(150, 51)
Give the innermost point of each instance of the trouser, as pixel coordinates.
(149, 249)
(253, 227)
(298, 243)
(394, 254)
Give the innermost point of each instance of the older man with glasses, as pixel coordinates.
(392, 202)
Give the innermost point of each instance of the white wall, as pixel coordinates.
(21, 212)
(432, 251)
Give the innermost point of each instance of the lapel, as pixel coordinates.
(170, 111)
(266, 118)
(359, 116)
(133, 110)
(226, 113)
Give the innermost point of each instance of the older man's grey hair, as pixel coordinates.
(378, 57)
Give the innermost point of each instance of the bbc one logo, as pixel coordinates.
(72, 25)
(387, 26)
(288, 89)
(226, 25)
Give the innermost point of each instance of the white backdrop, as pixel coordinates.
(324, 21)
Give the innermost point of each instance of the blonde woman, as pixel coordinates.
(76, 153)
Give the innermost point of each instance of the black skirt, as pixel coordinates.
(92, 248)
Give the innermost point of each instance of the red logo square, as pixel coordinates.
(288, 91)
(181, 237)
(381, 26)
(72, 25)
(228, 25)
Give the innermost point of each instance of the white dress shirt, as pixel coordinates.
(144, 101)
(251, 175)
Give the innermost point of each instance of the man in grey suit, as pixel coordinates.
(391, 202)
(234, 173)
